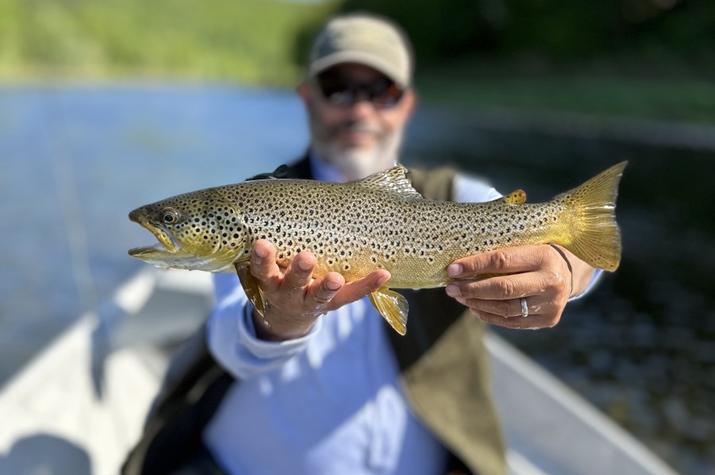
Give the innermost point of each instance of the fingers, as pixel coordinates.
(528, 323)
(299, 272)
(295, 290)
(511, 287)
(530, 272)
(294, 300)
(264, 267)
(357, 289)
(497, 300)
(322, 291)
(509, 308)
(500, 261)
(542, 314)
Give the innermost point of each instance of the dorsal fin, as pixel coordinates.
(393, 180)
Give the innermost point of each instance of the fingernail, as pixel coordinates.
(304, 265)
(454, 270)
(453, 291)
(260, 252)
(330, 285)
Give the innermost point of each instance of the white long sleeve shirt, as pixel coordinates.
(329, 402)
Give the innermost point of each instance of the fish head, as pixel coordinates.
(195, 231)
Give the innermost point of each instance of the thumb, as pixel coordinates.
(357, 289)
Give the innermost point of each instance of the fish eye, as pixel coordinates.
(170, 216)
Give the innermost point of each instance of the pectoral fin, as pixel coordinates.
(393, 307)
(250, 286)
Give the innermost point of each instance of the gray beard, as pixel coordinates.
(355, 164)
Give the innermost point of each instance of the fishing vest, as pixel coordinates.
(443, 368)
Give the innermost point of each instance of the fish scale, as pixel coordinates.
(379, 222)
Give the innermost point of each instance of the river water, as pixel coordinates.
(76, 159)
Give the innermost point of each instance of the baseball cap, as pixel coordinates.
(365, 39)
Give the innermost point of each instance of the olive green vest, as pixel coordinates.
(442, 359)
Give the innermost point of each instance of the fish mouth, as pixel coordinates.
(167, 242)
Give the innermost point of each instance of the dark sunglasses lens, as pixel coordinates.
(341, 92)
(385, 93)
(334, 90)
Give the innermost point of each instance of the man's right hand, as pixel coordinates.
(294, 299)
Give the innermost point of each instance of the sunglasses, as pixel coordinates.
(341, 91)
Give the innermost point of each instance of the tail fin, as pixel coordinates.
(594, 234)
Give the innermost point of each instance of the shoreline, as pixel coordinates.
(637, 130)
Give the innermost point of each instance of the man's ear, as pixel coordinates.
(304, 91)
(409, 101)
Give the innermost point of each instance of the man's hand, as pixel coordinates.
(539, 274)
(294, 298)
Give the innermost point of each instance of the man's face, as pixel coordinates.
(359, 136)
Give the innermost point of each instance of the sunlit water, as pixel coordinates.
(75, 160)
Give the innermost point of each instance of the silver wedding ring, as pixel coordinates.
(524, 308)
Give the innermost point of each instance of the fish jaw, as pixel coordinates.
(155, 255)
(162, 235)
(173, 252)
(158, 257)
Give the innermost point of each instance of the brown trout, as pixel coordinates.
(379, 222)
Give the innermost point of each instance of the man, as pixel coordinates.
(319, 384)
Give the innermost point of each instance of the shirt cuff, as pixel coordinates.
(595, 278)
(233, 342)
(270, 349)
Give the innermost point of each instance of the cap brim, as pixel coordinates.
(320, 65)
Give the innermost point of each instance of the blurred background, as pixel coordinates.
(105, 106)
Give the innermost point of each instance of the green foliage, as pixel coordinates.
(483, 53)
(438, 29)
(596, 95)
(557, 30)
(637, 58)
(246, 40)
(266, 40)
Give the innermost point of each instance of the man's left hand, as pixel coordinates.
(493, 284)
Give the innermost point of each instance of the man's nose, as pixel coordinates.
(362, 107)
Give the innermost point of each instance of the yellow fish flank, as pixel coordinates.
(380, 222)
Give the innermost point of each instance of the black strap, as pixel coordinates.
(279, 173)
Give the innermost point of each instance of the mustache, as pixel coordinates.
(355, 126)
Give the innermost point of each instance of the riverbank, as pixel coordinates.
(602, 89)
(265, 43)
(248, 41)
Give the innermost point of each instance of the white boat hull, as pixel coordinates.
(75, 410)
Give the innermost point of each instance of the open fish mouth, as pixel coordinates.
(168, 252)
(147, 252)
(167, 243)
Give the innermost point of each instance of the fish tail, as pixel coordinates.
(591, 231)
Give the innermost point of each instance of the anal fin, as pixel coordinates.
(393, 307)
(250, 286)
